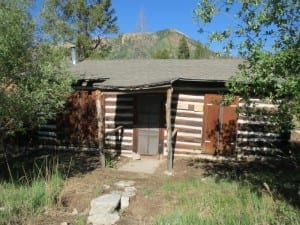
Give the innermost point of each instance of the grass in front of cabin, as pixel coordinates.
(23, 197)
(214, 200)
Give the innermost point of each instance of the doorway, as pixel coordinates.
(220, 125)
(148, 123)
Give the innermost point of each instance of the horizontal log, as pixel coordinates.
(112, 125)
(258, 144)
(187, 146)
(186, 134)
(115, 142)
(119, 118)
(127, 137)
(116, 147)
(259, 149)
(121, 114)
(189, 139)
(119, 107)
(119, 110)
(260, 105)
(188, 127)
(125, 131)
(182, 152)
(51, 139)
(120, 95)
(250, 134)
(47, 133)
(119, 122)
(193, 97)
(48, 127)
(118, 99)
(186, 113)
(121, 103)
(258, 128)
(191, 131)
(195, 119)
(188, 122)
(261, 139)
(255, 122)
(67, 148)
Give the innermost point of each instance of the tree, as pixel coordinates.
(79, 21)
(200, 52)
(266, 34)
(183, 49)
(33, 79)
(161, 54)
(141, 26)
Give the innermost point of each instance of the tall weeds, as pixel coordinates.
(29, 191)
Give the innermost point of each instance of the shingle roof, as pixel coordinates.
(139, 73)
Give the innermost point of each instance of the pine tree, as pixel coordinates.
(79, 21)
(200, 52)
(161, 54)
(183, 49)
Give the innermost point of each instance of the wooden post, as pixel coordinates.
(100, 128)
(169, 130)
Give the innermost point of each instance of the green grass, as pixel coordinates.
(23, 197)
(225, 202)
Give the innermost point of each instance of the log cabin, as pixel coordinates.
(154, 107)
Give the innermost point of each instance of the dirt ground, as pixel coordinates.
(144, 207)
(87, 182)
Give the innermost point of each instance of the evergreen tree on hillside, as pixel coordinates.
(183, 49)
(79, 21)
(200, 52)
(161, 54)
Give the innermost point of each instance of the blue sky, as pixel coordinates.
(158, 15)
(173, 14)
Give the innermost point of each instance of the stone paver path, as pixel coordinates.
(145, 165)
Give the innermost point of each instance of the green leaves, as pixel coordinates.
(79, 21)
(266, 34)
(206, 10)
(33, 79)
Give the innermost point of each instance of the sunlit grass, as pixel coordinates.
(205, 201)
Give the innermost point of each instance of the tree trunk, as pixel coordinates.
(169, 130)
(100, 128)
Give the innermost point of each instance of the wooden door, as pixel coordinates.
(219, 126)
(148, 123)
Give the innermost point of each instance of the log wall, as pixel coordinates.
(119, 111)
(256, 133)
(187, 119)
(77, 126)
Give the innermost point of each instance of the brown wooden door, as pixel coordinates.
(148, 123)
(219, 126)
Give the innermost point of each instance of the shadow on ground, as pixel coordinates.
(38, 163)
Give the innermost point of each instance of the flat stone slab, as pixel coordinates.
(147, 166)
(124, 183)
(129, 192)
(103, 219)
(107, 203)
(124, 202)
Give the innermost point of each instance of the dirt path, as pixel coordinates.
(144, 207)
